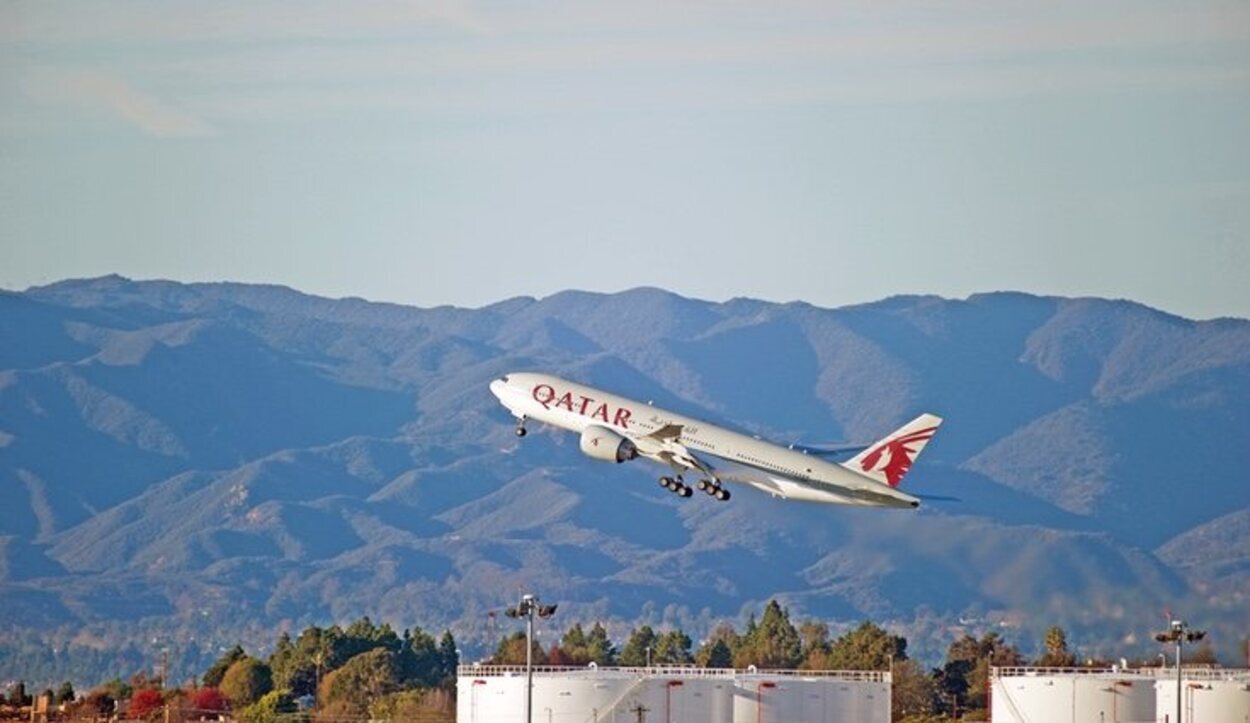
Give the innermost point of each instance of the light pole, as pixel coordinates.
(528, 608)
(1179, 633)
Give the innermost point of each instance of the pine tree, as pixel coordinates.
(775, 643)
(673, 648)
(574, 645)
(448, 659)
(715, 654)
(1056, 653)
(599, 648)
(635, 651)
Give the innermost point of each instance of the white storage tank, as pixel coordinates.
(588, 695)
(698, 700)
(487, 694)
(812, 698)
(1024, 695)
(1206, 697)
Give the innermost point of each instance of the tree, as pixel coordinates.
(774, 643)
(420, 661)
(815, 646)
(414, 705)
(639, 646)
(573, 645)
(245, 682)
(965, 677)
(715, 654)
(867, 647)
(557, 657)
(284, 662)
(362, 636)
(118, 689)
(65, 693)
(581, 648)
(1056, 653)
(913, 692)
(599, 649)
(144, 703)
(212, 676)
(448, 660)
(673, 648)
(207, 700)
(511, 651)
(270, 708)
(366, 677)
(17, 695)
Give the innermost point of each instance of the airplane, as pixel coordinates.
(617, 429)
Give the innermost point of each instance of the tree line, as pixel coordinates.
(362, 671)
(367, 670)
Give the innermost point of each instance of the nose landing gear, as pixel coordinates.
(520, 427)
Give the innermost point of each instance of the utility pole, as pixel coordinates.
(528, 608)
(1180, 633)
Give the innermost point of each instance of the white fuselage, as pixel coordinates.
(730, 455)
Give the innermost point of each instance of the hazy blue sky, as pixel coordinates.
(465, 152)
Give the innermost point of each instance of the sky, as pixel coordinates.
(448, 152)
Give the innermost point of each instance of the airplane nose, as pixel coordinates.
(497, 387)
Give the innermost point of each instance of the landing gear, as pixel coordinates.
(713, 488)
(520, 427)
(676, 486)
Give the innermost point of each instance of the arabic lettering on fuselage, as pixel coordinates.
(549, 398)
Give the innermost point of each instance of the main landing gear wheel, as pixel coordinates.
(721, 494)
(676, 486)
(703, 485)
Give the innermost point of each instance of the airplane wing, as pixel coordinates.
(662, 445)
(669, 432)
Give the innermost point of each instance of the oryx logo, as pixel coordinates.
(893, 457)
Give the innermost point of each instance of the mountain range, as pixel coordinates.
(188, 465)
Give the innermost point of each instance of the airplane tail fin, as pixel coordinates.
(888, 460)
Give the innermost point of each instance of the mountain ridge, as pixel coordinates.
(278, 457)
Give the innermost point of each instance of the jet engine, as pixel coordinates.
(602, 443)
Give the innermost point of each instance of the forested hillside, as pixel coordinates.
(188, 464)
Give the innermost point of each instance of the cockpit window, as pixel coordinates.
(504, 379)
